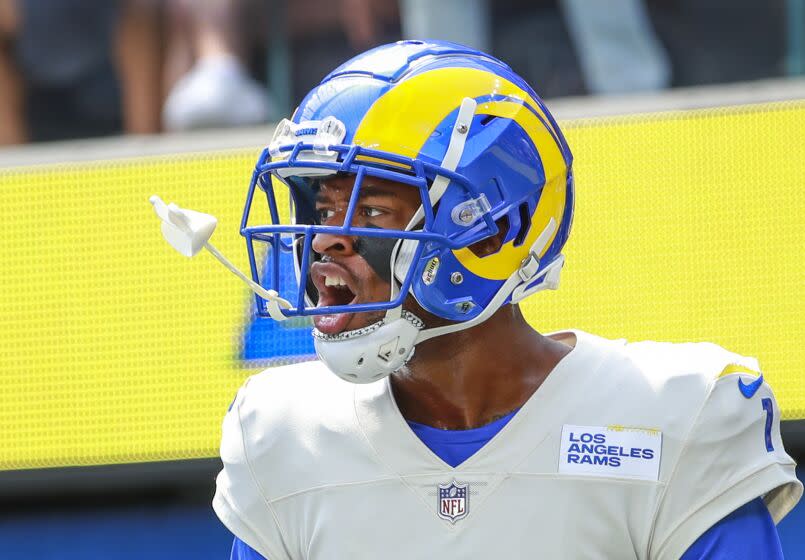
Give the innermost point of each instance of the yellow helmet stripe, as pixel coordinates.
(403, 118)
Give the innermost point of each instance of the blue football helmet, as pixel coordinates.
(484, 154)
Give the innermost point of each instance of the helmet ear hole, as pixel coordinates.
(525, 224)
(493, 243)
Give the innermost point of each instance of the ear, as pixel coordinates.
(491, 244)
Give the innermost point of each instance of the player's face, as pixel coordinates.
(351, 269)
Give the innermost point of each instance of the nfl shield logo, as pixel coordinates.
(454, 501)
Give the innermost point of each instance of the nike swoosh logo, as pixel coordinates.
(748, 390)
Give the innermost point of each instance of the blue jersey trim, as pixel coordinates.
(242, 551)
(456, 446)
(745, 534)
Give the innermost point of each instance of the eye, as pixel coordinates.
(370, 212)
(324, 214)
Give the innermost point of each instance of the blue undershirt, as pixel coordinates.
(747, 533)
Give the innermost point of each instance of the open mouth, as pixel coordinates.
(336, 287)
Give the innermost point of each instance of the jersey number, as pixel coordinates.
(767, 406)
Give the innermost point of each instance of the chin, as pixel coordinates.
(361, 320)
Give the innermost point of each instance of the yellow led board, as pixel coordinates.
(115, 349)
(690, 226)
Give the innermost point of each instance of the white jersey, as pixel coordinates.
(625, 451)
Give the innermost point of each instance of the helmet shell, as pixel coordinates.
(403, 99)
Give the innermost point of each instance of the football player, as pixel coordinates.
(431, 191)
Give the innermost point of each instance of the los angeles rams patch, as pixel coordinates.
(616, 451)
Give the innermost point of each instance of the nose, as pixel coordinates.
(333, 244)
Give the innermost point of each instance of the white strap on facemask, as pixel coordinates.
(528, 269)
(402, 256)
(404, 249)
(396, 312)
(452, 157)
(458, 138)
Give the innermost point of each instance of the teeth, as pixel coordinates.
(334, 281)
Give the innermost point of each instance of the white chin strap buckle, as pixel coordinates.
(372, 353)
(189, 232)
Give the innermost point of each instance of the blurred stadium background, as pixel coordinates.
(119, 358)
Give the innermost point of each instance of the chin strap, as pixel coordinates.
(375, 351)
(516, 285)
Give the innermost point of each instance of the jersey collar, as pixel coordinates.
(402, 452)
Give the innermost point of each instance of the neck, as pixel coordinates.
(469, 378)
